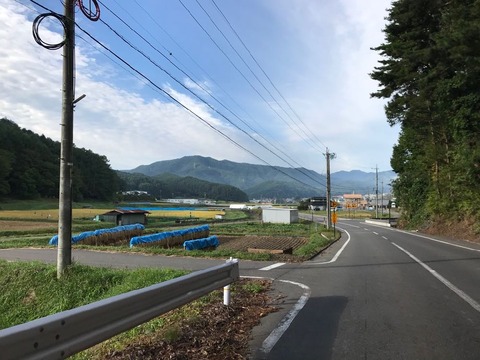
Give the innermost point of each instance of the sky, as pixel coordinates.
(269, 82)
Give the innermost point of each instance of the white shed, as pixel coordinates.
(280, 215)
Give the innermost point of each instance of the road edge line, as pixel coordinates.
(439, 277)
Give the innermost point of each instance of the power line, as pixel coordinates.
(238, 70)
(251, 70)
(263, 71)
(211, 78)
(194, 94)
(184, 106)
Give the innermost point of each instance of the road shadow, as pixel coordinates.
(312, 333)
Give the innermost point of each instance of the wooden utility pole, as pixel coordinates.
(64, 252)
(376, 191)
(329, 195)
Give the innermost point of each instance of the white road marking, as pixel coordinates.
(384, 237)
(440, 241)
(366, 229)
(273, 266)
(375, 233)
(277, 333)
(336, 255)
(447, 283)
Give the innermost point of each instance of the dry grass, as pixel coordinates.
(91, 213)
(203, 214)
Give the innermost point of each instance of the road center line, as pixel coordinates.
(447, 283)
(273, 266)
(375, 233)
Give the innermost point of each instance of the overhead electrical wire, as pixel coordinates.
(175, 100)
(238, 70)
(209, 76)
(263, 71)
(181, 104)
(199, 85)
(255, 75)
(194, 94)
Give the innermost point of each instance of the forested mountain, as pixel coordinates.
(429, 73)
(173, 186)
(241, 175)
(258, 181)
(29, 168)
(261, 181)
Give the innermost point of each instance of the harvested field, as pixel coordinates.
(284, 243)
(13, 225)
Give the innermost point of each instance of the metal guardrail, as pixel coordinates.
(63, 334)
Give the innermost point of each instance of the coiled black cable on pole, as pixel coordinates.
(92, 11)
(36, 35)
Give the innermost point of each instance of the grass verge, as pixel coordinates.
(32, 290)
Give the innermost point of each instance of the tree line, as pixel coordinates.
(429, 71)
(30, 169)
(172, 186)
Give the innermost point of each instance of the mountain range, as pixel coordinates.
(263, 181)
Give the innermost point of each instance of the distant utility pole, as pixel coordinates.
(64, 252)
(376, 191)
(382, 199)
(329, 156)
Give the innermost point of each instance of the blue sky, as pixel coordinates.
(315, 52)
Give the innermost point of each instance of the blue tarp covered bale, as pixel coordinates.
(104, 236)
(211, 241)
(171, 238)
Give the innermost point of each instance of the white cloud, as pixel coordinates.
(324, 77)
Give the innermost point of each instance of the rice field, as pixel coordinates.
(91, 213)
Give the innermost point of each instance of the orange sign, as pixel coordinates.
(334, 217)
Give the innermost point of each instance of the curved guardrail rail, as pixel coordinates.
(63, 334)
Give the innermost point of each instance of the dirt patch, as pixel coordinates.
(219, 332)
(243, 243)
(465, 229)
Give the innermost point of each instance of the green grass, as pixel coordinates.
(317, 242)
(32, 290)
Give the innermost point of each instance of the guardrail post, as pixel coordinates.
(226, 289)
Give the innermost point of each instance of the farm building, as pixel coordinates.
(126, 217)
(280, 215)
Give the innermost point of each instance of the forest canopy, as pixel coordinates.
(429, 71)
(30, 168)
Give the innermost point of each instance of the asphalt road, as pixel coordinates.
(388, 295)
(378, 293)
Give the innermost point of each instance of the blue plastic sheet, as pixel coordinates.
(145, 239)
(201, 243)
(87, 234)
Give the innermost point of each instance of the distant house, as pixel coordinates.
(354, 201)
(126, 217)
(318, 203)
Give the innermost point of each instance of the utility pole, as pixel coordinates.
(376, 191)
(329, 195)
(382, 199)
(64, 252)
